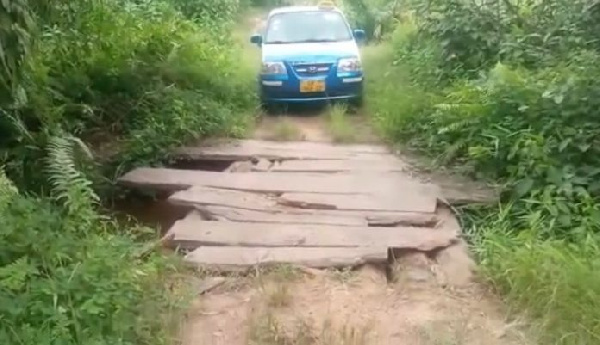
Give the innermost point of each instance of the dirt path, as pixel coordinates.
(315, 233)
(310, 242)
(421, 298)
(316, 124)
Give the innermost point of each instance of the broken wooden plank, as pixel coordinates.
(255, 149)
(340, 165)
(416, 202)
(236, 258)
(459, 195)
(254, 207)
(200, 195)
(447, 221)
(192, 232)
(285, 216)
(345, 183)
(403, 219)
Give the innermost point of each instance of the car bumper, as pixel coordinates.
(283, 91)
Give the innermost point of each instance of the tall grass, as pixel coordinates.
(461, 88)
(146, 75)
(70, 276)
(88, 89)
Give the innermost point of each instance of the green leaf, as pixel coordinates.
(523, 187)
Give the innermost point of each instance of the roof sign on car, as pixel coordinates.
(326, 5)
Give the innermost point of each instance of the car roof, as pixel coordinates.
(288, 9)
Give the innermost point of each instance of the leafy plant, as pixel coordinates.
(62, 278)
(124, 80)
(508, 92)
(83, 74)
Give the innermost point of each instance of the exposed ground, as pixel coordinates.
(299, 240)
(312, 242)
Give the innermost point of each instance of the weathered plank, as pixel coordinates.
(457, 194)
(344, 183)
(165, 179)
(340, 165)
(417, 202)
(255, 149)
(199, 195)
(240, 258)
(324, 217)
(447, 221)
(192, 232)
(205, 196)
(285, 216)
(403, 219)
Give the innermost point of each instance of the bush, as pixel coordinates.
(509, 94)
(67, 276)
(376, 17)
(104, 70)
(132, 78)
(552, 281)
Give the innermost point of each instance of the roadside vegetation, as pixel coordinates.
(88, 90)
(507, 91)
(340, 129)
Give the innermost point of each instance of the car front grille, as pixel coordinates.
(313, 70)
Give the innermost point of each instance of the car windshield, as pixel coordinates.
(307, 27)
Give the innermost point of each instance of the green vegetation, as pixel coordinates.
(508, 92)
(129, 77)
(285, 130)
(340, 129)
(89, 89)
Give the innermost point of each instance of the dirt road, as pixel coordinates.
(310, 242)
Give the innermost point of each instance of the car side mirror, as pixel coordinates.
(359, 35)
(256, 39)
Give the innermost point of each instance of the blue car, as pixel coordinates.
(309, 54)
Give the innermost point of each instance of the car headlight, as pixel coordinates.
(273, 68)
(349, 65)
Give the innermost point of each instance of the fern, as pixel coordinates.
(7, 189)
(69, 186)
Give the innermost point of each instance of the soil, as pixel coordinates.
(311, 125)
(349, 308)
(409, 302)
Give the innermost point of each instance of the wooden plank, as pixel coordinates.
(447, 221)
(463, 195)
(415, 202)
(277, 182)
(164, 179)
(337, 166)
(285, 216)
(199, 195)
(255, 149)
(239, 206)
(192, 232)
(237, 258)
(253, 207)
(323, 217)
(161, 179)
(403, 219)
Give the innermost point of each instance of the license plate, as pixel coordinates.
(312, 85)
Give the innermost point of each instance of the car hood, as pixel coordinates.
(309, 52)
